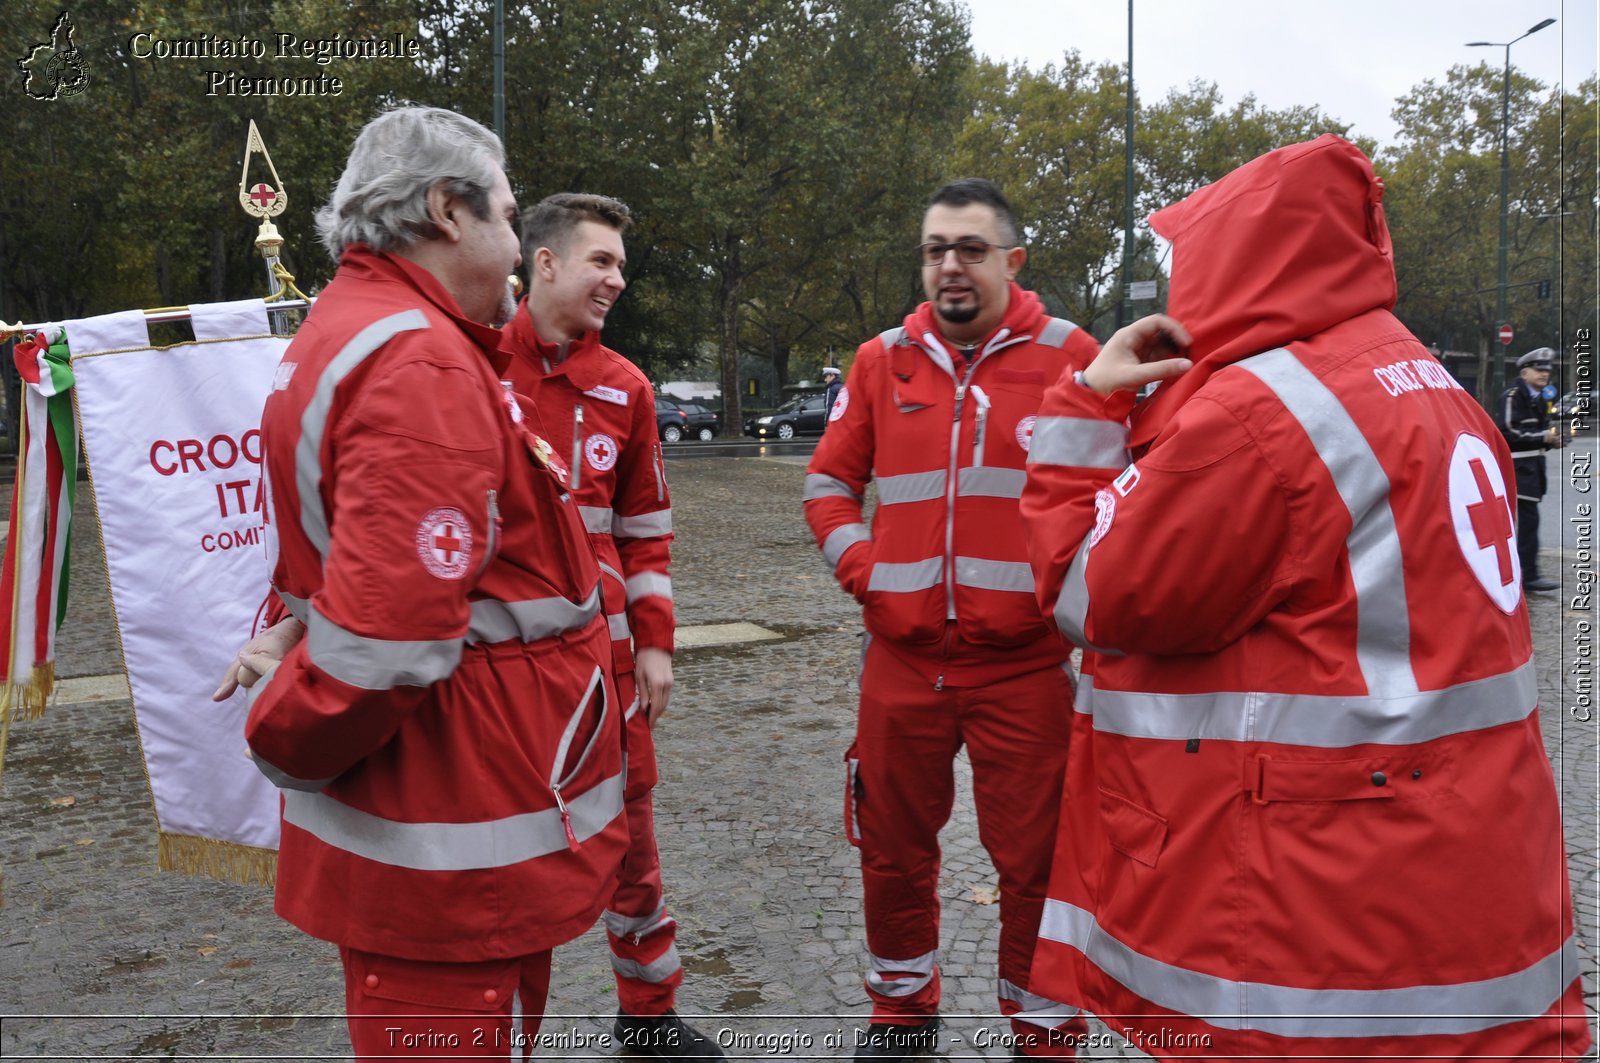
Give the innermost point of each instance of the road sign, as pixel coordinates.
(1505, 335)
(1142, 290)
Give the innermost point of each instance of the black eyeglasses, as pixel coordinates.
(968, 252)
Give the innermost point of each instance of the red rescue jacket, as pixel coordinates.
(943, 572)
(447, 733)
(1308, 810)
(598, 411)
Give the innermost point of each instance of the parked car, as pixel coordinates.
(801, 415)
(671, 422)
(699, 422)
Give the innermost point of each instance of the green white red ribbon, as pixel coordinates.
(33, 581)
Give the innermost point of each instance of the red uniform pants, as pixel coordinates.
(418, 1009)
(901, 791)
(644, 953)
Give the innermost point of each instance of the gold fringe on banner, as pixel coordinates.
(225, 861)
(26, 701)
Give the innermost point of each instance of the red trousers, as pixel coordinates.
(644, 953)
(417, 1009)
(900, 793)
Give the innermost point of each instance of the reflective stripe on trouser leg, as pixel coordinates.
(1041, 1028)
(644, 956)
(906, 742)
(1016, 733)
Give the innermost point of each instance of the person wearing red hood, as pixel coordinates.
(940, 413)
(1308, 811)
(597, 407)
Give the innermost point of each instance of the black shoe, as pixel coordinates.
(1539, 583)
(884, 1040)
(662, 1037)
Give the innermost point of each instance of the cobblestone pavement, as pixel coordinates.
(128, 962)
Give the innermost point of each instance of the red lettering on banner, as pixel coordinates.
(164, 470)
(221, 450)
(230, 540)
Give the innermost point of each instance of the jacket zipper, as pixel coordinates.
(983, 419)
(577, 442)
(494, 529)
(596, 687)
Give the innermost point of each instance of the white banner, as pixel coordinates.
(173, 445)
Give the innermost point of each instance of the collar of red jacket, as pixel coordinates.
(361, 262)
(1024, 318)
(521, 339)
(1286, 246)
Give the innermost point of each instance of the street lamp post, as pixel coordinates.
(1125, 304)
(1497, 363)
(1555, 263)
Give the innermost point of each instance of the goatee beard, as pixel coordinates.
(956, 315)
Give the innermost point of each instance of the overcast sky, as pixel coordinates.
(1352, 58)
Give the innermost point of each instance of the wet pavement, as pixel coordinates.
(104, 957)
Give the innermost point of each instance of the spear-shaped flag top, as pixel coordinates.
(260, 199)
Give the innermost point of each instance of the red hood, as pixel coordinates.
(1286, 246)
(1024, 318)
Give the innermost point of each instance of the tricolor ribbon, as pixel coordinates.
(33, 582)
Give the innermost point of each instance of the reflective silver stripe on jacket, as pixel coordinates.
(453, 846)
(920, 968)
(892, 337)
(991, 481)
(299, 608)
(617, 625)
(314, 418)
(820, 486)
(1288, 1011)
(911, 487)
(1323, 721)
(1083, 442)
(596, 519)
(531, 620)
(994, 575)
(644, 584)
(843, 538)
(642, 525)
(1055, 332)
(378, 664)
(1072, 604)
(1034, 1009)
(1383, 624)
(906, 576)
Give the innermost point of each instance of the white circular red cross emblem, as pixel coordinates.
(1485, 518)
(444, 542)
(601, 451)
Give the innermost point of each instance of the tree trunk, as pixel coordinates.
(728, 338)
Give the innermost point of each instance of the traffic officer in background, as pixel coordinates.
(1308, 811)
(599, 410)
(1524, 416)
(939, 411)
(830, 394)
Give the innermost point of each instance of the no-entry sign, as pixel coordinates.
(1505, 335)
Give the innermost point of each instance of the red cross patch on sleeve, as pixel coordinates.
(444, 542)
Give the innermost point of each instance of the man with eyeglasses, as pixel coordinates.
(940, 412)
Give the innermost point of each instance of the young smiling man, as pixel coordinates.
(940, 411)
(598, 410)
